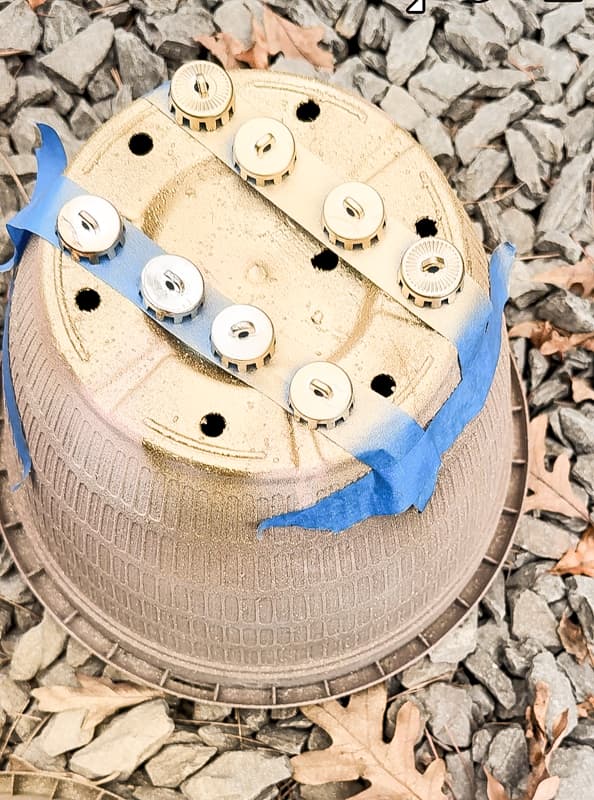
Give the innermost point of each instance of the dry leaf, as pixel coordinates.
(580, 274)
(541, 785)
(547, 790)
(276, 35)
(539, 749)
(224, 47)
(495, 790)
(574, 639)
(294, 42)
(99, 697)
(358, 750)
(548, 339)
(551, 490)
(35, 3)
(586, 707)
(258, 54)
(579, 561)
(581, 390)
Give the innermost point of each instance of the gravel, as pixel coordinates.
(20, 29)
(37, 649)
(500, 94)
(408, 50)
(403, 108)
(125, 743)
(489, 122)
(244, 775)
(508, 756)
(532, 618)
(176, 762)
(575, 767)
(75, 60)
(66, 20)
(545, 669)
(139, 68)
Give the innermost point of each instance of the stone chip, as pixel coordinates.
(527, 165)
(408, 49)
(176, 762)
(404, 109)
(490, 121)
(558, 64)
(244, 774)
(561, 21)
(8, 86)
(533, 619)
(65, 21)
(76, 59)
(139, 68)
(575, 767)
(19, 27)
(37, 649)
(480, 39)
(125, 743)
(544, 669)
(507, 760)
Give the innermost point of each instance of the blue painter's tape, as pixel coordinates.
(404, 458)
(410, 462)
(51, 162)
(14, 418)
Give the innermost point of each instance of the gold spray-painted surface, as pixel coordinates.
(145, 524)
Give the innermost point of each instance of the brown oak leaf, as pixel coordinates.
(292, 41)
(574, 639)
(224, 47)
(580, 274)
(359, 751)
(541, 784)
(579, 561)
(273, 36)
(548, 339)
(551, 490)
(100, 698)
(585, 709)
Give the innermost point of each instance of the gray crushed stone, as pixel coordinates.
(500, 94)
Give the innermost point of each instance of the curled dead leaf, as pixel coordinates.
(548, 339)
(224, 47)
(99, 697)
(495, 791)
(580, 274)
(541, 784)
(579, 561)
(574, 639)
(272, 36)
(585, 709)
(551, 490)
(359, 751)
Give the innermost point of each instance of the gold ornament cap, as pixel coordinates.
(321, 393)
(243, 337)
(353, 215)
(89, 227)
(431, 272)
(264, 150)
(201, 95)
